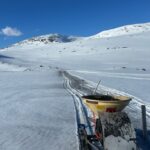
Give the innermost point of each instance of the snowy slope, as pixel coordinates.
(124, 30)
(120, 61)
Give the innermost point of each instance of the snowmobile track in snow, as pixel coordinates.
(81, 114)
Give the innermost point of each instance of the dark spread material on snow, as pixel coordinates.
(100, 97)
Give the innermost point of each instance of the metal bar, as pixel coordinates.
(96, 87)
(144, 124)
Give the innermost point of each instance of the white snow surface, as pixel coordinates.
(121, 143)
(37, 113)
(124, 30)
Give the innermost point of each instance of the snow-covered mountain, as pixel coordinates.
(49, 38)
(124, 30)
(58, 38)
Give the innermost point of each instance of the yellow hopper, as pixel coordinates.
(106, 103)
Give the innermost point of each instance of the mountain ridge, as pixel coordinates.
(49, 38)
(124, 30)
(115, 32)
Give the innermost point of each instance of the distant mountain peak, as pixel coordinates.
(124, 30)
(49, 38)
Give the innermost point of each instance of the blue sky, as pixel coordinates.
(21, 19)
